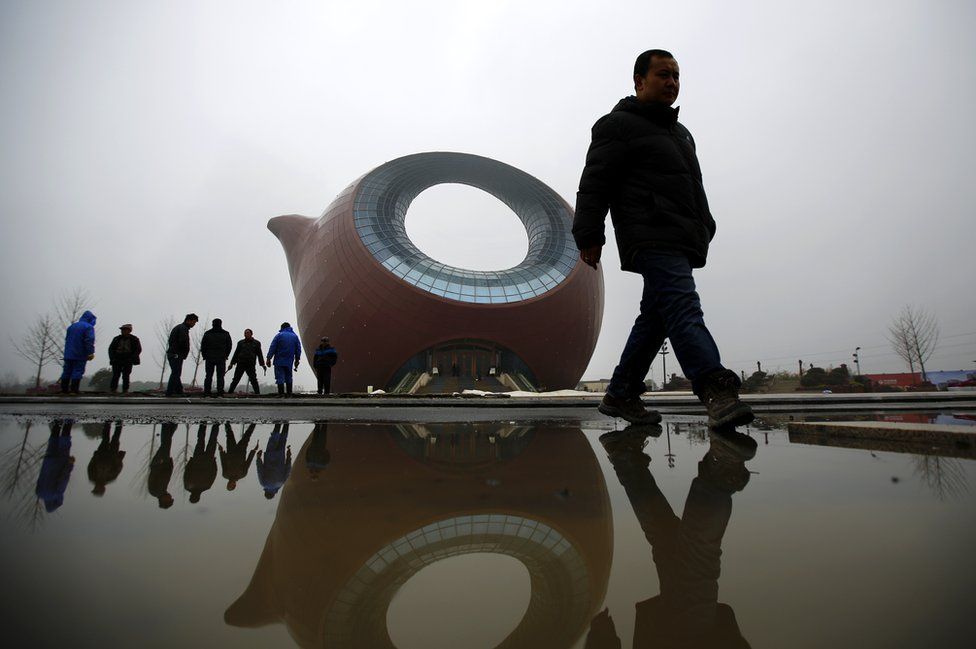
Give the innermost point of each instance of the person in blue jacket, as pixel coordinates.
(325, 357)
(57, 465)
(286, 351)
(79, 348)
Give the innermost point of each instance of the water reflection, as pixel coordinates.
(274, 463)
(201, 469)
(235, 461)
(686, 551)
(403, 497)
(161, 467)
(56, 466)
(106, 463)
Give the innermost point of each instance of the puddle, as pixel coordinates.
(515, 534)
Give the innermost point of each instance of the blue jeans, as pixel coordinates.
(669, 308)
(175, 385)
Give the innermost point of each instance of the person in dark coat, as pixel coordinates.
(235, 461)
(106, 463)
(177, 349)
(215, 348)
(123, 353)
(642, 167)
(56, 466)
(246, 356)
(687, 551)
(274, 464)
(285, 351)
(201, 469)
(79, 348)
(161, 467)
(325, 358)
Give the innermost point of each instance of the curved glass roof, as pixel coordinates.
(380, 209)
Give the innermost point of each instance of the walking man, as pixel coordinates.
(177, 350)
(79, 348)
(215, 347)
(325, 358)
(286, 351)
(123, 353)
(246, 356)
(642, 167)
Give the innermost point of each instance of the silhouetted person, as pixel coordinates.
(106, 463)
(79, 348)
(642, 167)
(316, 454)
(123, 353)
(246, 356)
(235, 461)
(285, 351)
(325, 358)
(177, 349)
(201, 468)
(161, 467)
(56, 466)
(215, 347)
(274, 464)
(687, 551)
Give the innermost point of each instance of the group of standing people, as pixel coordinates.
(284, 355)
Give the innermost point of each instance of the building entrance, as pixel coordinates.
(465, 359)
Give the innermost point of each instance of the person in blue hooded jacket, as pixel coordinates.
(286, 351)
(79, 348)
(56, 467)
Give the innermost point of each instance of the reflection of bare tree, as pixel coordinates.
(943, 475)
(18, 468)
(196, 354)
(139, 480)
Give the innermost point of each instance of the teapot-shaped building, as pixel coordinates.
(397, 315)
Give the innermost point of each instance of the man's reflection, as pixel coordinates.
(161, 466)
(57, 465)
(106, 463)
(316, 454)
(273, 464)
(687, 550)
(235, 461)
(201, 468)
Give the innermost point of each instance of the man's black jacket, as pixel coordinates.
(179, 341)
(642, 166)
(248, 353)
(216, 344)
(124, 350)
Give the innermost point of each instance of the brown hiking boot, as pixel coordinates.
(627, 445)
(631, 410)
(719, 391)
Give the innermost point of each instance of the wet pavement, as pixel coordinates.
(524, 532)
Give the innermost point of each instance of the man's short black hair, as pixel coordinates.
(643, 62)
(191, 316)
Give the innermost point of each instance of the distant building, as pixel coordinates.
(599, 385)
(903, 380)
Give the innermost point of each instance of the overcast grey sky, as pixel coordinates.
(145, 145)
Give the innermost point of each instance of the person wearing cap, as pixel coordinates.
(246, 356)
(325, 357)
(285, 351)
(123, 353)
(177, 349)
(215, 347)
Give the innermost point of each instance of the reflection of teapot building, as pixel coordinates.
(394, 501)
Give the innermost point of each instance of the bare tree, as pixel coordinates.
(196, 355)
(39, 346)
(900, 342)
(163, 329)
(945, 476)
(914, 336)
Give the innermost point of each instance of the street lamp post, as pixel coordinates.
(664, 364)
(857, 360)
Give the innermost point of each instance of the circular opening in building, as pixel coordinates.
(467, 228)
(471, 600)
